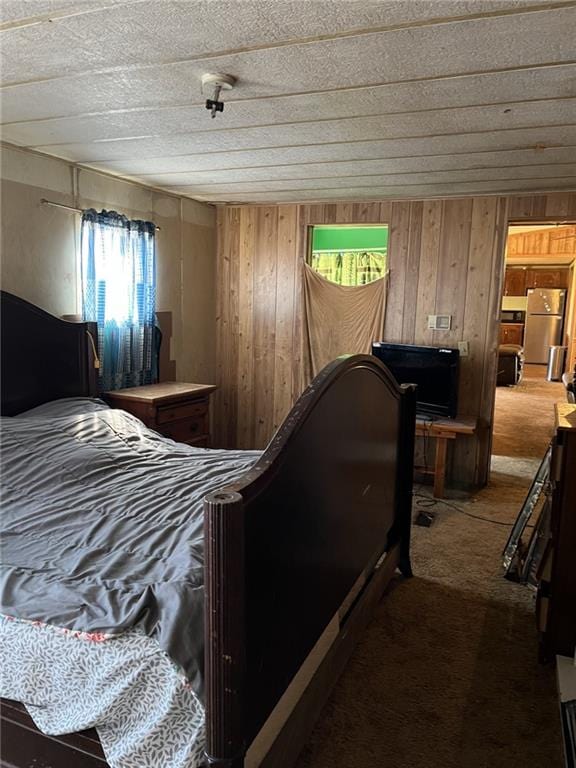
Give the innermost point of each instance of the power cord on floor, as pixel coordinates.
(428, 502)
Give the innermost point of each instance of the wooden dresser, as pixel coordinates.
(177, 410)
(556, 602)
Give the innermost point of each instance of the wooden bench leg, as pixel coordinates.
(440, 467)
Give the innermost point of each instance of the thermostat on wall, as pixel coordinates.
(439, 322)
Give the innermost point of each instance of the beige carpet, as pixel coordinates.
(446, 675)
(524, 421)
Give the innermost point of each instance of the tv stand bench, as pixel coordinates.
(442, 430)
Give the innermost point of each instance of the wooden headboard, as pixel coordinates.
(43, 358)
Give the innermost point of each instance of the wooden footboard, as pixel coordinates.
(287, 547)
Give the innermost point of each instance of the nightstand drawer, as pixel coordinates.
(168, 413)
(186, 430)
(176, 409)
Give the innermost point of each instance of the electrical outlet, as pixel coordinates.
(463, 348)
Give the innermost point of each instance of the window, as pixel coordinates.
(118, 287)
(349, 255)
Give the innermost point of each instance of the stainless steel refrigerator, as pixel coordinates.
(544, 319)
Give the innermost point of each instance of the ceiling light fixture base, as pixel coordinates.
(215, 83)
(226, 82)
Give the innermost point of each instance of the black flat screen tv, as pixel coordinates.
(433, 369)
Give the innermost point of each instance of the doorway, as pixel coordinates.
(538, 311)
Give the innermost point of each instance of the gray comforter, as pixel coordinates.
(102, 525)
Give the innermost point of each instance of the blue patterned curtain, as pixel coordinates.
(118, 270)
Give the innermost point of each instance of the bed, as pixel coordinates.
(297, 547)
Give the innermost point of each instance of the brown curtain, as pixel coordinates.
(340, 319)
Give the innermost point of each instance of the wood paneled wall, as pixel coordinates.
(445, 257)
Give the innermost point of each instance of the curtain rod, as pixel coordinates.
(71, 208)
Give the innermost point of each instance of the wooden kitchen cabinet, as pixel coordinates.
(515, 282)
(511, 333)
(547, 278)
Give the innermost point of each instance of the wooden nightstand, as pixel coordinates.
(176, 410)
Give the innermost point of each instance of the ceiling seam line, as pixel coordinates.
(313, 162)
(34, 21)
(367, 175)
(159, 190)
(300, 94)
(338, 143)
(389, 83)
(408, 198)
(524, 148)
(382, 197)
(25, 22)
(322, 120)
(388, 186)
(351, 160)
(299, 42)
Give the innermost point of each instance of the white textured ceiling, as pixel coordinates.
(336, 99)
